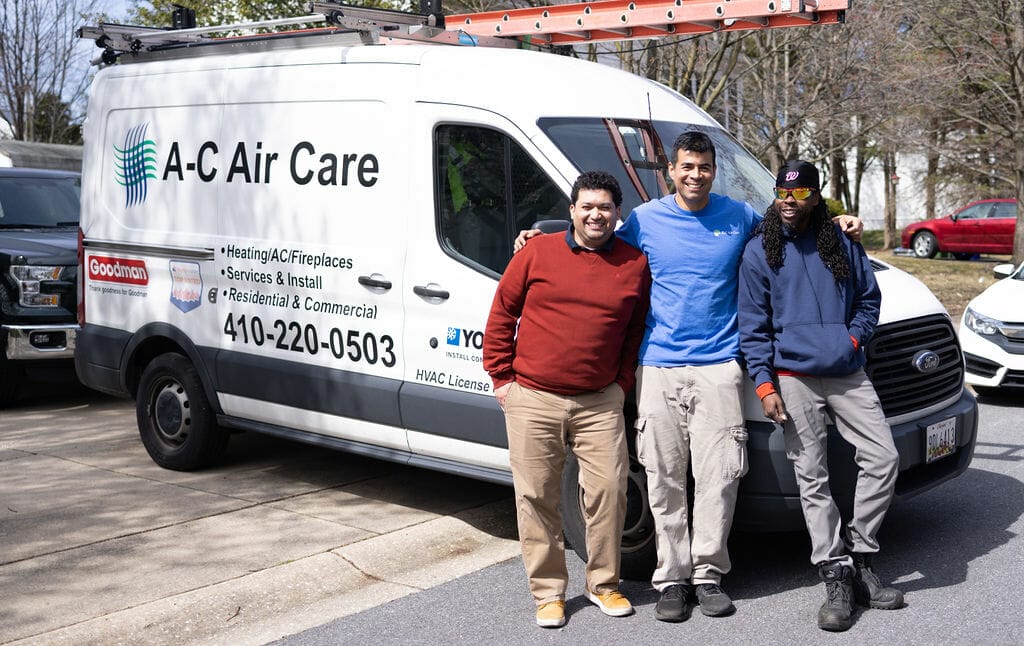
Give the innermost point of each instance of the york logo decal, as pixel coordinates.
(135, 164)
(465, 338)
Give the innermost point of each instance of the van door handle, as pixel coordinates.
(370, 281)
(426, 292)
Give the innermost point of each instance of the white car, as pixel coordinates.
(992, 333)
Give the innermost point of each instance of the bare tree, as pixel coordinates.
(39, 60)
(971, 59)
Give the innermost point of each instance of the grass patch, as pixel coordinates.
(954, 282)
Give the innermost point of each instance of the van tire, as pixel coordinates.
(176, 422)
(639, 548)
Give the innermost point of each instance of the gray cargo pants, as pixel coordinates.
(853, 403)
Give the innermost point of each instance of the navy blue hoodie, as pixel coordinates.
(798, 318)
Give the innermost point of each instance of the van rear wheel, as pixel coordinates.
(176, 422)
(639, 548)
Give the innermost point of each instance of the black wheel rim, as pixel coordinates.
(169, 413)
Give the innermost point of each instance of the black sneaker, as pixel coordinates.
(713, 601)
(674, 604)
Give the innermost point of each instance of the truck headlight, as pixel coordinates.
(981, 324)
(29, 279)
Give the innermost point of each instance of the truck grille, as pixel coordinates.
(901, 387)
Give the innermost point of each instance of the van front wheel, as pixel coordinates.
(639, 549)
(176, 422)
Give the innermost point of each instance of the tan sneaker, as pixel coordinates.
(551, 614)
(611, 603)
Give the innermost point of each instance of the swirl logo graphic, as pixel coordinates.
(135, 164)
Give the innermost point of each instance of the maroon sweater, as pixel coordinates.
(580, 313)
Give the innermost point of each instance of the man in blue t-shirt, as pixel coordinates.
(690, 383)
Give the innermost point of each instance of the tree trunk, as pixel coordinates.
(889, 169)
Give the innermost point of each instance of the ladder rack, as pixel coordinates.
(562, 24)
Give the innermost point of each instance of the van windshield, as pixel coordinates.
(636, 152)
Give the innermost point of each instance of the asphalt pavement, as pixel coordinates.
(956, 552)
(296, 545)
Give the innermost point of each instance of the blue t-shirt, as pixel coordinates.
(694, 258)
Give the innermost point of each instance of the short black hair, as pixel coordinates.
(597, 180)
(695, 142)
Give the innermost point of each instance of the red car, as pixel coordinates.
(985, 226)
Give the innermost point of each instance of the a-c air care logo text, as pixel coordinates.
(128, 271)
(135, 165)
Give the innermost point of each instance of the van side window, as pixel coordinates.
(487, 190)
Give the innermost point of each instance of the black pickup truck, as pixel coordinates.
(38, 271)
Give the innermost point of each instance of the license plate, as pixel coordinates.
(940, 439)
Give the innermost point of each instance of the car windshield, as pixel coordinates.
(39, 201)
(636, 152)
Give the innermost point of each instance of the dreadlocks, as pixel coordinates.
(831, 252)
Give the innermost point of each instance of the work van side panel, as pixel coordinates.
(268, 224)
(489, 181)
(312, 247)
(149, 222)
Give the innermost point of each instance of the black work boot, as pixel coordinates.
(836, 613)
(868, 589)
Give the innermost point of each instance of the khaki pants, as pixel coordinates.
(691, 415)
(540, 426)
(852, 401)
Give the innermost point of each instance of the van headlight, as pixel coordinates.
(30, 278)
(981, 324)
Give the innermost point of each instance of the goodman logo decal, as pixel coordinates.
(127, 271)
(135, 165)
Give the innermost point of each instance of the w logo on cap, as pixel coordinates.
(792, 175)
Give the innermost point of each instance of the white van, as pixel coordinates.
(304, 240)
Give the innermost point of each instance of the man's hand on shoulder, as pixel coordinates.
(851, 225)
(522, 238)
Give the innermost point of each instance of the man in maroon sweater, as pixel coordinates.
(561, 345)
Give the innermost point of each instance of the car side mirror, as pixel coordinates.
(1002, 271)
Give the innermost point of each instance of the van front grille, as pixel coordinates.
(901, 386)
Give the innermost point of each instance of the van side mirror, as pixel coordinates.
(551, 226)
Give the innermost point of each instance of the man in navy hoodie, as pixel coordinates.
(808, 303)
